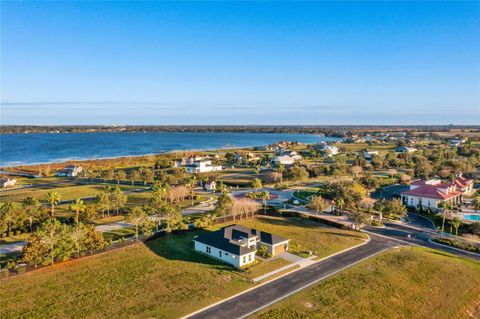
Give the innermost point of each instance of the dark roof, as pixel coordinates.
(264, 237)
(227, 238)
(217, 239)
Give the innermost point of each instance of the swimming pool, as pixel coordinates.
(472, 217)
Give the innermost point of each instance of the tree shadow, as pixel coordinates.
(179, 246)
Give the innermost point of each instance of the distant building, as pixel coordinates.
(237, 245)
(202, 166)
(433, 193)
(210, 186)
(283, 160)
(329, 150)
(456, 143)
(368, 154)
(405, 149)
(69, 171)
(187, 160)
(7, 182)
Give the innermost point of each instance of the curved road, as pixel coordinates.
(264, 295)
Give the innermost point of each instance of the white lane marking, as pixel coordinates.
(312, 283)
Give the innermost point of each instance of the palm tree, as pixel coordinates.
(446, 207)
(265, 197)
(77, 207)
(476, 203)
(456, 222)
(340, 203)
(53, 198)
(191, 186)
(256, 184)
(31, 207)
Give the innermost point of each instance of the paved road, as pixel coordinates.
(265, 295)
(418, 237)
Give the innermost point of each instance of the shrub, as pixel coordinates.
(11, 264)
(4, 273)
(453, 243)
(4, 235)
(10, 233)
(21, 268)
(18, 232)
(376, 223)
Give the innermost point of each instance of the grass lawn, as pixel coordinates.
(164, 278)
(14, 238)
(307, 235)
(67, 191)
(408, 283)
(305, 194)
(119, 233)
(264, 267)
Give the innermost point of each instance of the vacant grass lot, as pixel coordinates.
(407, 283)
(164, 278)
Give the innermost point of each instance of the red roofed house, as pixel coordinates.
(432, 193)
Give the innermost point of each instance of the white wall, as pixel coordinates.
(426, 202)
(229, 258)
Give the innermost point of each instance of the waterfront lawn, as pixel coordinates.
(163, 278)
(408, 283)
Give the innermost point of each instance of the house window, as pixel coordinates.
(226, 254)
(209, 250)
(244, 258)
(220, 254)
(249, 257)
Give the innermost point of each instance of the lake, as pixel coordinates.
(19, 149)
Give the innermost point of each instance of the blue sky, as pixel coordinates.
(240, 63)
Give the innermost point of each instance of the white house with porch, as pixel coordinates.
(237, 245)
(202, 166)
(433, 193)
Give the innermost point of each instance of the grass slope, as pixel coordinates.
(407, 283)
(163, 279)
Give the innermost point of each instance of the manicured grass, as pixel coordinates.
(408, 283)
(66, 192)
(164, 278)
(14, 238)
(305, 194)
(263, 267)
(306, 235)
(119, 233)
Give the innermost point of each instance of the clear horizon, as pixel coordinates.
(247, 63)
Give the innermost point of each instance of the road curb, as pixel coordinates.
(276, 278)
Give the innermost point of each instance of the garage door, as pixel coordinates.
(279, 249)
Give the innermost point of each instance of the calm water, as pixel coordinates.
(17, 149)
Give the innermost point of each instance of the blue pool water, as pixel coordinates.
(472, 217)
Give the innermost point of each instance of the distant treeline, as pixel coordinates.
(327, 130)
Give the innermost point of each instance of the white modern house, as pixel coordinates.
(237, 245)
(187, 160)
(7, 182)
(202, 166)
(69, 171)
(433, 193)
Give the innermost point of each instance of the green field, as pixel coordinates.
(67, 191)
(407, 283)
(164, 278)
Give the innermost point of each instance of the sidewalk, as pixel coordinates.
(301, 262)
